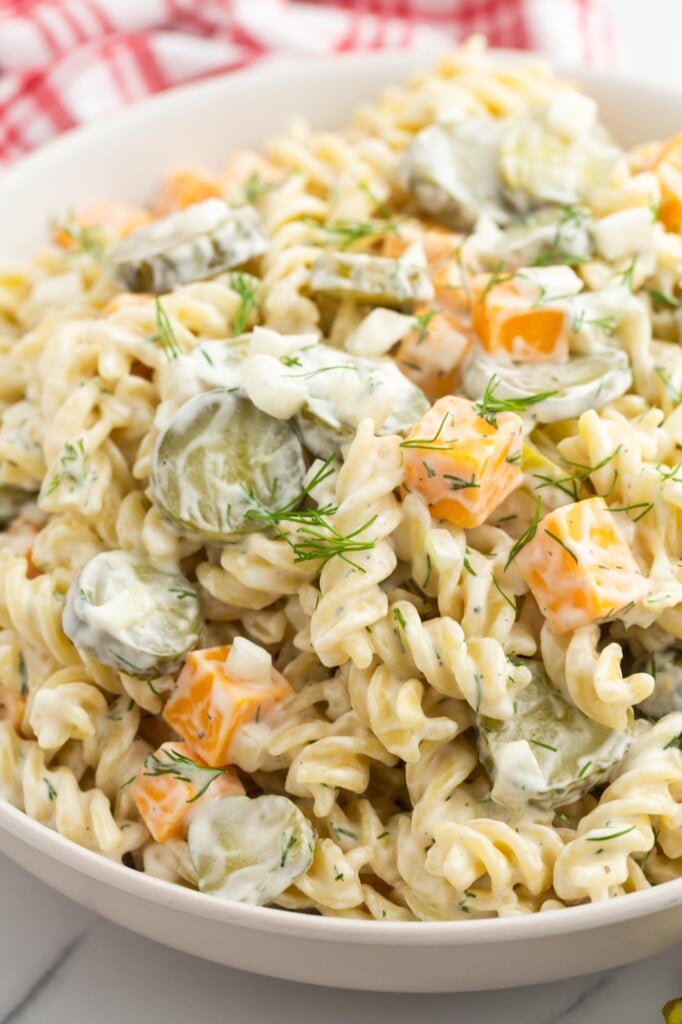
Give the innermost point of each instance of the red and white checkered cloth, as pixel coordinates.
(64, 62)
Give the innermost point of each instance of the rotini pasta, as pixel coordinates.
(279, 625)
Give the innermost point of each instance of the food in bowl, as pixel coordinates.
(341, 502)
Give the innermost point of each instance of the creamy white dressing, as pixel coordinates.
(666, 668)
(249, 662)
(378, 332)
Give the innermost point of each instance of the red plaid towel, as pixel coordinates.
(63, 62)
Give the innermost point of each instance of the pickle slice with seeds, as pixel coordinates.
(250, 850)
(375, 279)
(582, 383)
(190, 245)
(666, 668)
(129, 615)
(452, 171)
(221, 458)
(549, 752)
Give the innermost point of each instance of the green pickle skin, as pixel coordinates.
(220, 462)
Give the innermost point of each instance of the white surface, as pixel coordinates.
(647, 38)
(61, 964)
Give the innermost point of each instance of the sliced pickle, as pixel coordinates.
(220, 459)
(129, 615)
(250, 850)
(344, 389)
(452, 171)
(582, 383)
(666, 668)
(375, 279)
(13, 500)
(539, 163)
(190, 245)
(550, 236)
(549, 753)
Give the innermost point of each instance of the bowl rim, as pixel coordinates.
(138, 884)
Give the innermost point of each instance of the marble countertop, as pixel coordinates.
(63, 965)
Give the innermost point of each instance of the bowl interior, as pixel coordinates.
(125, 157)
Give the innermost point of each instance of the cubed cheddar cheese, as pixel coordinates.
(118, 219)
(431, 354)
(244, 164)
(579, 566)
(511, 326)
(219, 690)
(125, 300)
(452, 291)
(166, 801)
(667, 164)
(185, 188)
(12, 707)
(439, 244)
(461, 464)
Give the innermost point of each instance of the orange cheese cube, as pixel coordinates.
(184, 188)
(432, 353)
(167, 800)
(461, 464)
(667, 165)
(509, 326)
(579, 566)
(210, 703)
(452, 290)
(244, 164)
(439, 244)
(118, 219)
(11, 707)
(125, 300)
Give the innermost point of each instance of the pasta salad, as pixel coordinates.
(341, 508)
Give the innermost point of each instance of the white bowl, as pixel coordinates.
(125, 157)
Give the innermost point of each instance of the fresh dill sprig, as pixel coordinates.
(428, 443)
(347, 233)
(255, 186)
(545, 746)
(379, 205)
(670, 387)
(184, 769)
(503, 595)
(309, 374)
(527, 535)
(644, 506)
(165, 335)
(662, 299)
(314, 538)
(88, 239)
(75, 464)
(563, 545)
(422, 321)
(490, 405)
(499, 275)
(614, 835)
(246, 288)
